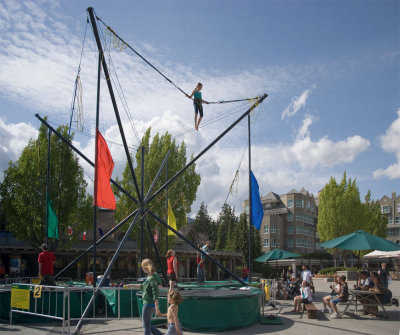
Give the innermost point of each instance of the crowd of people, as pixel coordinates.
(376, 282)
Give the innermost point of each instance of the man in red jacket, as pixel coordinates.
(46, 262)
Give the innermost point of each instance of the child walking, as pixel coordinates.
(174, 326)
(197, 103)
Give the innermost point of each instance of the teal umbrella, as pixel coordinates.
(361, 240)
(275, 255)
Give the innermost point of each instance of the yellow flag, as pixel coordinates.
(171, 219)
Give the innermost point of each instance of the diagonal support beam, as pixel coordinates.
(112, 96)
(97, 243)
(195, 247)
(83, 156)
(156, 177)
(162, 188)
(106, 274)
(156, 250)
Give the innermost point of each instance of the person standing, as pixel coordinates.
(150, 294)
(245, 273)
(172, 269)
(306, 276)
(383, 275)
(197, 104)
(200, 269)
(46, 262)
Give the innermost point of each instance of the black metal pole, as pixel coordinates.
(112, 96)
(196, 247)
(96, 162)
(48, 188)
(162, 188)
(142, 219)
(165, 161)
(166, 209)
(83, 156)
(97, 243)
(156, 251)
(250, 197)
(106, 274)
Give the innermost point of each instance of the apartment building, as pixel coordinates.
(390, 207)
(290, 221)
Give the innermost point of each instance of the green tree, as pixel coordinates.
(23, 192)
(373, 222)
(204, 223)
(226, 221)
(339, 209)
(181, 192)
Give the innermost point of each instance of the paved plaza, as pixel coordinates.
(296, 324)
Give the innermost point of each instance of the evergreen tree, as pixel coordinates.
(225, 218)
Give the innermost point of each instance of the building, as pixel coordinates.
(390, 208)
(290, 222)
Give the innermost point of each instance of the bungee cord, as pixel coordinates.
(127, 45)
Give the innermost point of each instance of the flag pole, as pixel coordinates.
(96, 161)
(250, 197)
(166, 208)
(142, 212)
(48, 189)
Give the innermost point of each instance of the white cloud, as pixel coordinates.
(390, 142)
(13, 139)
(296, 104)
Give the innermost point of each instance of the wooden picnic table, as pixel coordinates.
(368, 298)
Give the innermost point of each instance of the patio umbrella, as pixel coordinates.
(361, 240)
(275, 255)
(375, 254)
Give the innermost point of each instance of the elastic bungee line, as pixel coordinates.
(163, 75)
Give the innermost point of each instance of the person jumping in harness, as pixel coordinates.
(198, 104)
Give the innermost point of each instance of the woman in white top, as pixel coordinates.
(305, 297)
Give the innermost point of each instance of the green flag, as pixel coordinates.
(52, 221)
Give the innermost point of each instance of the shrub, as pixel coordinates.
(333, 270)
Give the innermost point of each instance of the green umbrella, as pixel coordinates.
(361, 240)
(275, 255)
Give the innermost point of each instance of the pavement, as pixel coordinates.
(294, 324)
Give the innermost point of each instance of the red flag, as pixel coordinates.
(84, 236)
(69, 230)
(104, 167)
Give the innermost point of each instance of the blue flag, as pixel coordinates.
(257, 211)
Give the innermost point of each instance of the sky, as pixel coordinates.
(330, 69)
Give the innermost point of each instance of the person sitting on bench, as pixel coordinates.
(342, 297)
(305, 297)
(384, 296)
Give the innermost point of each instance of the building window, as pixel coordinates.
(390, 232)
(299, 230)
(273, 229)
(386, 209)
(299, 217)
(290, 243)
(247, 210)
(309, 244)
(290, 229)
(290, 203)
(397, 219)
(299, 242)
(274, 242)
(266, 229)
(299, 203)
(398, 208)
(266, 243)
(290, 217)
(267, 205)
(390, 220)
(308, 205)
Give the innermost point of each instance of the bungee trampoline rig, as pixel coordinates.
(242, 306)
